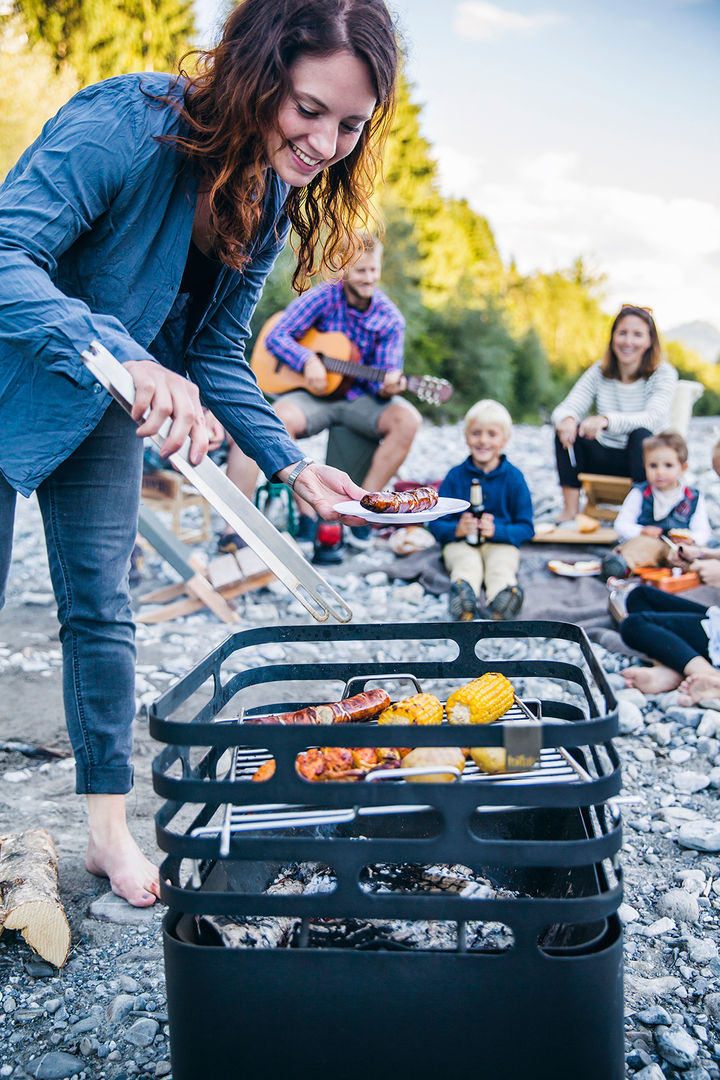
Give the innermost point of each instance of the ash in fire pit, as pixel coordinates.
(268, 932)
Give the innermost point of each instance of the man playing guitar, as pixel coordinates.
(356, 307)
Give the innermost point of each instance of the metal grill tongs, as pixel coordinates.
(285, 561)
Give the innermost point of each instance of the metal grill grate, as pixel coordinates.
(554, 765)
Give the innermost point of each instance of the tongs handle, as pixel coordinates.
(284, 559)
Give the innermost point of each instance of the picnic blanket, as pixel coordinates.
(582, 600)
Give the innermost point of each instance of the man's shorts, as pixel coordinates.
(362, 414)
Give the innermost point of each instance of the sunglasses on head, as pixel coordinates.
(637, 307)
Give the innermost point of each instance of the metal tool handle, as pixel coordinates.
(284, 559)
(416, 770)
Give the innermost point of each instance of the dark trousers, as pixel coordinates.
(591, 457)
(90, 509)
(664, 626)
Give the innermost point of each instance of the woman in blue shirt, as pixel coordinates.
(147, 215)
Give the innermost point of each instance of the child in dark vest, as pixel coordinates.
(661, 506)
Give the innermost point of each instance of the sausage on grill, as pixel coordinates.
(349, 711)
(400, 502)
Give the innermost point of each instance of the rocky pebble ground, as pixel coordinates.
(104, 1014)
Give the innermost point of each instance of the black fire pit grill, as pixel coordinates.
(539, 997)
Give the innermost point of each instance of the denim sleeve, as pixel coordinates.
(62, 184)
(227, 385)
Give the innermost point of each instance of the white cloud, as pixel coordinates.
(483, 22)
(656, 251)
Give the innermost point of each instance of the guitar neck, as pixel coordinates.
(355, 371)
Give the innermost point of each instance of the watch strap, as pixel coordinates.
(296, 470)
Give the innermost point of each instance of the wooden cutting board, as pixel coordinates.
(603, 535)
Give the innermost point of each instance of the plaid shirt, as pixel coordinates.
(377, 333)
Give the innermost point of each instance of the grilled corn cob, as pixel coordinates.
(419, 709)
(481, 701)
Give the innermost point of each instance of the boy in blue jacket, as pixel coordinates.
(485, 552)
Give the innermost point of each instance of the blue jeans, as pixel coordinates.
(90, 507)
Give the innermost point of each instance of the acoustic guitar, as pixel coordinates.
(342, 361)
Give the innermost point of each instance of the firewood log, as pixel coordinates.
(29, 897)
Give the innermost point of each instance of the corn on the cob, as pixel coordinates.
(481, 701)
(418, 709)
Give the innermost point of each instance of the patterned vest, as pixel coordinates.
(680, 515)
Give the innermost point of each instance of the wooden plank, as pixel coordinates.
(196, 591)
(165, 543)
(258, 581)
(201, 588)
(605, 494)
(189, 605)
(572, 536)
(165, 595)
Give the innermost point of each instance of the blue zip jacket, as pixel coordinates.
(505, 495)
(95, 224)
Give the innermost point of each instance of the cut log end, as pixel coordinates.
(44, 927)
(29, 896)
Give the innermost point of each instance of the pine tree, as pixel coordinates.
(100, 38)
(30, 91)
(457, 255)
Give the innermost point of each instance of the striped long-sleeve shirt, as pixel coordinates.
(378, 332)
(645, 403)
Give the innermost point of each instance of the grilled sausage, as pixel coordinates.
(349, 711)
(400, 502)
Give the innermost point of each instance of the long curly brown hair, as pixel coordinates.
(231, 106)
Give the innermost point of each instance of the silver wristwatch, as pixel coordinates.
(296, 470)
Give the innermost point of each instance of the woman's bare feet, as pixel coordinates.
(696, 688)
(113, 853)
(657, 679)
(571, 504)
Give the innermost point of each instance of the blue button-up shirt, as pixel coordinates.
(95, 224)
(378, 332)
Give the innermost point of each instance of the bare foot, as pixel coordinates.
(657, 679)
(113, 853)
(697, 688)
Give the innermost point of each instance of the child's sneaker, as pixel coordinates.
(614, 565)
(229, 543)
(616, 606)
(359, 537)
(461, 603)
(507, 603)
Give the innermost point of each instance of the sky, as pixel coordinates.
(578, 128)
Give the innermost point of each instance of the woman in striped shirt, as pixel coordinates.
(631, 390)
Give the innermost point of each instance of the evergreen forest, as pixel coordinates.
(471, 318)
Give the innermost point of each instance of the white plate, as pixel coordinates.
(581, 568)
(441, 507)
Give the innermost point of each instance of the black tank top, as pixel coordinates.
(198, 281)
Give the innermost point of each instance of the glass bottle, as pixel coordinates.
(477, 510)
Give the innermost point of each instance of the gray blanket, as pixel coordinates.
(583, 601)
